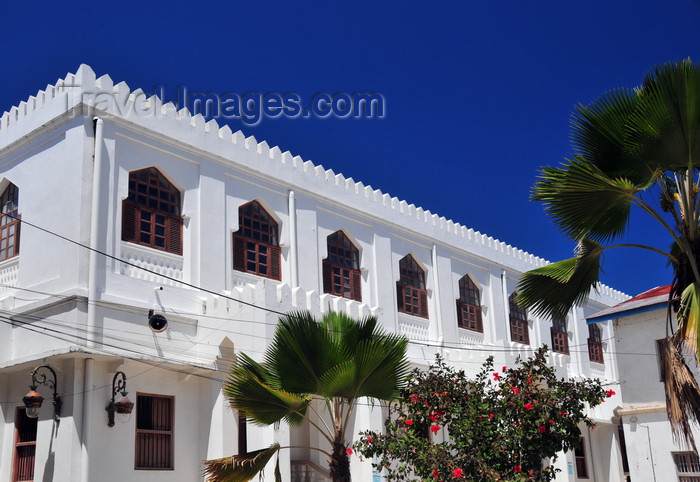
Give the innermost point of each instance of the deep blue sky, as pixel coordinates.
(478, 94)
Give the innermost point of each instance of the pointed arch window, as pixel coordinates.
(595, 344)
(151, 213)
(341, 269)
(9, 223)
(519, 332)
(469, 306)
(412, 296)
(256, 243)
(560, 337)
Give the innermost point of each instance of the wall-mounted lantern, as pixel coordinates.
(33, 400)
(124, 406)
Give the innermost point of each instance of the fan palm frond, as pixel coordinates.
(240, 468)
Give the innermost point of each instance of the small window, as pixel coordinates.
(256, 243)
(518, 322)
(151, 213)
(25, 446)
(242, 434)
(154, 432)
(412, 297)
(9, 223)
(687, 466)
(341, 269)
(469, 306)
(595, 345)
(580, 456)
(560, 338)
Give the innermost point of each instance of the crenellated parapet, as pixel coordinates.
(83, 93)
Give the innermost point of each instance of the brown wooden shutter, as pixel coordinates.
(327, 277)
(423, 304)
(275, 255)
(129, 214)
(460, 314)
(238, 253)
(19, 224)
(399, 296)
(175, 235)
(356, 285)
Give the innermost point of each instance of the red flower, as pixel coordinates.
(563, 413)
(551, 421)
(436, 474)
(504, 368)
(434, 428)
(542, 429)
(496, 376)
(515, 390)
(369, 439)
(349, 451)
(529, 380)
(517, 469)
(491, 415)
(433, 417)
(610, 393)
(529, 472)
(458, 473)
(409, 421)
(414, 398)
(528, 405)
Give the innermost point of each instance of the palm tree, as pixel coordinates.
(314, 371)
(633, 147)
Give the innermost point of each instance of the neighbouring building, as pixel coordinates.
(155, 246)
(652, 452)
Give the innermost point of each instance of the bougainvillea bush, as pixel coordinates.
(507, 423)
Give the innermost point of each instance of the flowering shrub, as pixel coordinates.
(496, 426)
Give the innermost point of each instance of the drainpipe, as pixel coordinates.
(294, 280)
(436, 291)
(94, 233)
(87, 415)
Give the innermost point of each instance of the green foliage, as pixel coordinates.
(501, 424)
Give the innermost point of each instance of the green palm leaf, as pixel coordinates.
(552, 290)
(584, 201)
(689, 319)
(240, 468)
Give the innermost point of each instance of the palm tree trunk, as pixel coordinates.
(339, 463)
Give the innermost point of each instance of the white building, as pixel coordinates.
(652, 452)
(128, 207)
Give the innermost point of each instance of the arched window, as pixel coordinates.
(151, 213)
(560, 338)
(256, 243)
(412, 296)
(9, 223)
(595, 344)
(341, 269)
(469, 306)
(518, 322)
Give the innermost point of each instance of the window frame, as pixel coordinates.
(560, 336)
(411, 294)
(18, 470)
(469, 313)
(517, 318)
(580, 459)
(141, 434)
(149, 209)
(9, 223)
(595, 344)
(341, 268)
(246, 246)
(688, 461)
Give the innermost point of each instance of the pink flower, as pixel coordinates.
(409, 421)
(349, 451)
(517, 469)
(515, 390)
(610, 393)
(436, 474)
(496, 376)
(491, 415)
(458, 473)
(414, 398)
(434, 428)
(528, 405)
(542, 429)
